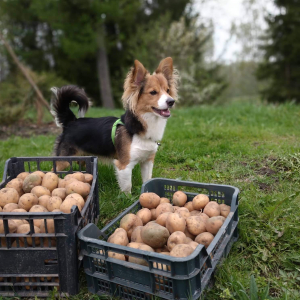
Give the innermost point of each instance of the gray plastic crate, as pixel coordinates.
(174, 278)
(35, 271)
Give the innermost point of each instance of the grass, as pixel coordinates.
(252, 146)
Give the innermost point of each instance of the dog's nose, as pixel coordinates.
(170, 102)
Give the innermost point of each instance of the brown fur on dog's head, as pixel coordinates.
(138, 79)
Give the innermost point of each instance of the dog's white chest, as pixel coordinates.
(155, 126)
(141, 148)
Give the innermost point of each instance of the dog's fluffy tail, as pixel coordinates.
(60, 104)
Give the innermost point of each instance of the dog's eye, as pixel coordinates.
(168, 90)
(153, 92)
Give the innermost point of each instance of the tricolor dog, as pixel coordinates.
(130, 140)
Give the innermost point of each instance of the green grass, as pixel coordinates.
(252, 146)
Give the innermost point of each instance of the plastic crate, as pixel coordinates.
(174, 278)
(34, 271)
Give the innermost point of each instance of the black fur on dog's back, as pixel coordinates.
(61, 103)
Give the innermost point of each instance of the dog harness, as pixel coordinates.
(114, 129)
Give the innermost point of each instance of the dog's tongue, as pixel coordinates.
(165, 113)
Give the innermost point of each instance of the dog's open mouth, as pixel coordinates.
(162, 112)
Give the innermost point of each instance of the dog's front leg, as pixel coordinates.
(146, 168)
(124, 174)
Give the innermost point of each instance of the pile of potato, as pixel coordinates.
(39, 192)
(174, 230)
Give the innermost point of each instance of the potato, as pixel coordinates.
(200, 201)
(162, 208)
(162, 249)
(179, 198)
(145, 215)
(56, 210)
(1, 209)
(119, 237)
(139, 260)
(16, 184)
(30, 182)
(50, 226)
(116, 255)
(161, 267)
(54, 203)
(50, 181)
(77, 175)
(25, 229)
(213, 224)
(78, 187)
(203, 216)
(225, 210)
(153, 214)
(175, 222)
(27, 200)
(19, 210)
(64, 182)
(8, 195)
(88, 178)
(38, 209)
(184, 212)
(12, 226)
(188, 234)
(40, 191)
(195, 213)
(176, 238)
(40, 173)
(23, 175)
(204, 238)
(162, 219)
(193, 245)
(149, 200)
(67, 204)
(129, 222)
(189, 206)
(164, 200)
(43, 200)
(195, 225)
(78, 198)
(19, 222)
(181, 250)
(10, 207)
(187, 240)
(59, 192)
(155, 235)
(212, 209)
(136, 235)
(175, 208)
(15, 244)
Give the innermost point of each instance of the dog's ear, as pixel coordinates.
(139, 73)
(166, 68)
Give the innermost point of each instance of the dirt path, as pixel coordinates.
(26, 129)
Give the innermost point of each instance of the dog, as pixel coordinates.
(130, 140)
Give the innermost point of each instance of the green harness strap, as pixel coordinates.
(114, 129)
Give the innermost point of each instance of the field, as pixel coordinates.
(252, 146)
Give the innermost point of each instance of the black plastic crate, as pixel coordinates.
(52, 261)
(174, 278)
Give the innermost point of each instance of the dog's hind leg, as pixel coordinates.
(63, 149)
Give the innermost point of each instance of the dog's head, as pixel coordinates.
(146, 93)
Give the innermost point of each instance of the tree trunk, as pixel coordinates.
(40, 98)
(103, 71)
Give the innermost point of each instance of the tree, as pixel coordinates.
(281, 65)
(75, 38)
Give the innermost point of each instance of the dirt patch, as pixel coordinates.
(26, 130)
(266, 171)
(264, 186)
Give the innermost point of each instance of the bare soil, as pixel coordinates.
(26, 129)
